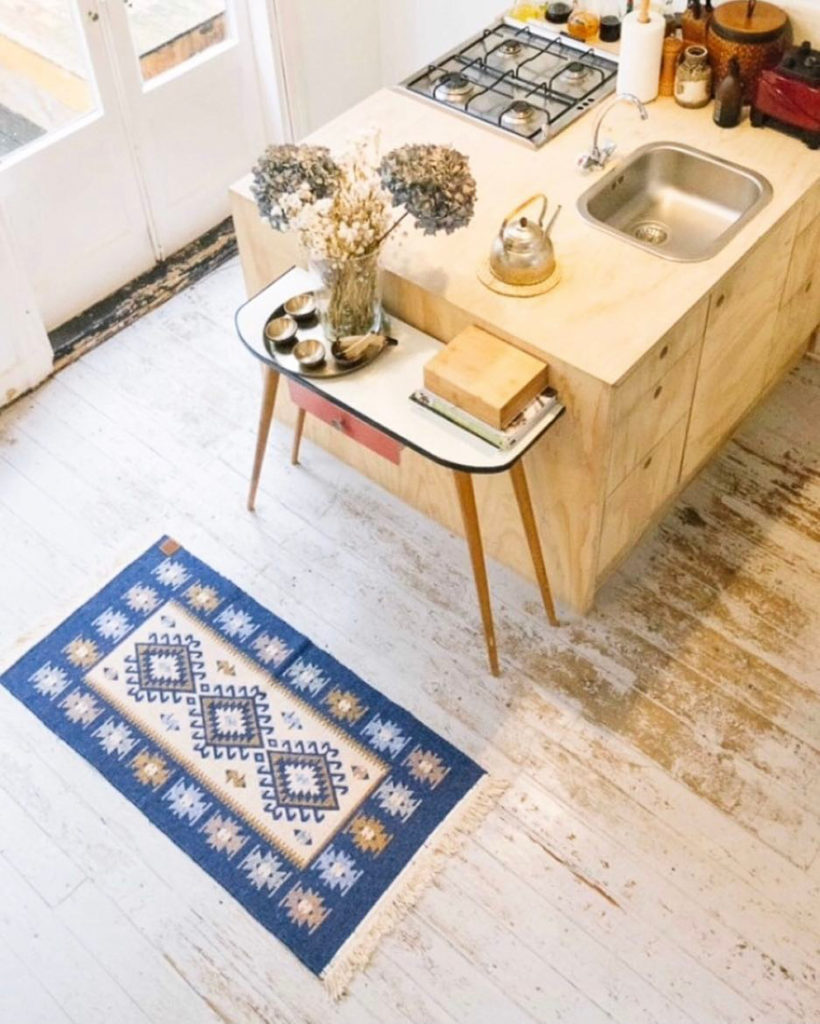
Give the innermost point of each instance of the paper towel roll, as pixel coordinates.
(639, 67)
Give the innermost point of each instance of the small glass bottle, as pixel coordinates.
(693, 78)
(729, 98)
(558, 12)
(584, 21)
(609, 30)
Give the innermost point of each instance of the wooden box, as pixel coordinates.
(485, 376)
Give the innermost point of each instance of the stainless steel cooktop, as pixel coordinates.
(529, 83)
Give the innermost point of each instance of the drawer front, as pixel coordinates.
(668, 351)
(749, 292)
(726, 390)
(632, 504)
(345, 423)
(652, 416)
(805, 262)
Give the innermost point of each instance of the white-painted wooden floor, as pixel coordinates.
(656, 856)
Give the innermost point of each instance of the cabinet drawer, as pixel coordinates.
(655, 413)
(683, 336)
(749, 292)
(347, 424)
(630, 507)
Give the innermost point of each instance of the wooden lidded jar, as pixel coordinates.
(754, 32)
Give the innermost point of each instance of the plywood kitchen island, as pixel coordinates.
(657, 362)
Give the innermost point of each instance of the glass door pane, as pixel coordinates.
(45, 77)
(166, 33)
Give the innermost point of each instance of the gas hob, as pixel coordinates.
(527, 83)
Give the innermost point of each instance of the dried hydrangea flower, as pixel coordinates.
(433, 184)
(288, 178)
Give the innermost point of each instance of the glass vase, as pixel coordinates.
(349, 298)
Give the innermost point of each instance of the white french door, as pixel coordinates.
(166, 112)
(196, 126)
(72, 196)
(25, 352)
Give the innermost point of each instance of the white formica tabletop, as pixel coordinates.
(379, 393)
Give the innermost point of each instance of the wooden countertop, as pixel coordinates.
(614, 301)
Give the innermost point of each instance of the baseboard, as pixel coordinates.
(144, 293)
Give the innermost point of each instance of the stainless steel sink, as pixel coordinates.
(675, 201)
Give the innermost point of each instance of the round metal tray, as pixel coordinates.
(311, 328)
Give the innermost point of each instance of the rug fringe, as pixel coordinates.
(405, 891)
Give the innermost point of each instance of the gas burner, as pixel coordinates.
(522, 117)
(525, 83)
(575, 72)
(510, 48)
(453, 88)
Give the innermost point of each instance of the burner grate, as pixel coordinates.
(526, 84)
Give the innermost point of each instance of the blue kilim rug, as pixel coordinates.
(298, 787)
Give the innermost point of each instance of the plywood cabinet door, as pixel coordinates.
(800, 309)
(652, 416)
(740, 330)
(634, 503)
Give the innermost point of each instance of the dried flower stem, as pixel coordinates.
(392, 228)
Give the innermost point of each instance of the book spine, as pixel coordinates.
(538, 410)
(462, 419)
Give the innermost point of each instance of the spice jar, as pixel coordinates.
(693, 78)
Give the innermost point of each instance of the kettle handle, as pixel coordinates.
(522, 206)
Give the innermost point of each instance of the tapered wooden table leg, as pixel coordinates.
(270, 382)
(297, 437)
(522, 496)
(466, 499)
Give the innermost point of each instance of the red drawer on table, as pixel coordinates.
(347, 424)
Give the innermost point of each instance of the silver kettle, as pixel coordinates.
(522, 252)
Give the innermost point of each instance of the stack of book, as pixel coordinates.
(543, 407)
(487, 386)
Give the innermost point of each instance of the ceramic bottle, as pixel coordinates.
(693, 78)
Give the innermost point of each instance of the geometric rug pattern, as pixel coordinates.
(303, 790)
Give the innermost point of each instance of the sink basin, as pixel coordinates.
(675, 201)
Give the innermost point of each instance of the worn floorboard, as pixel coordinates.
(657, 855)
